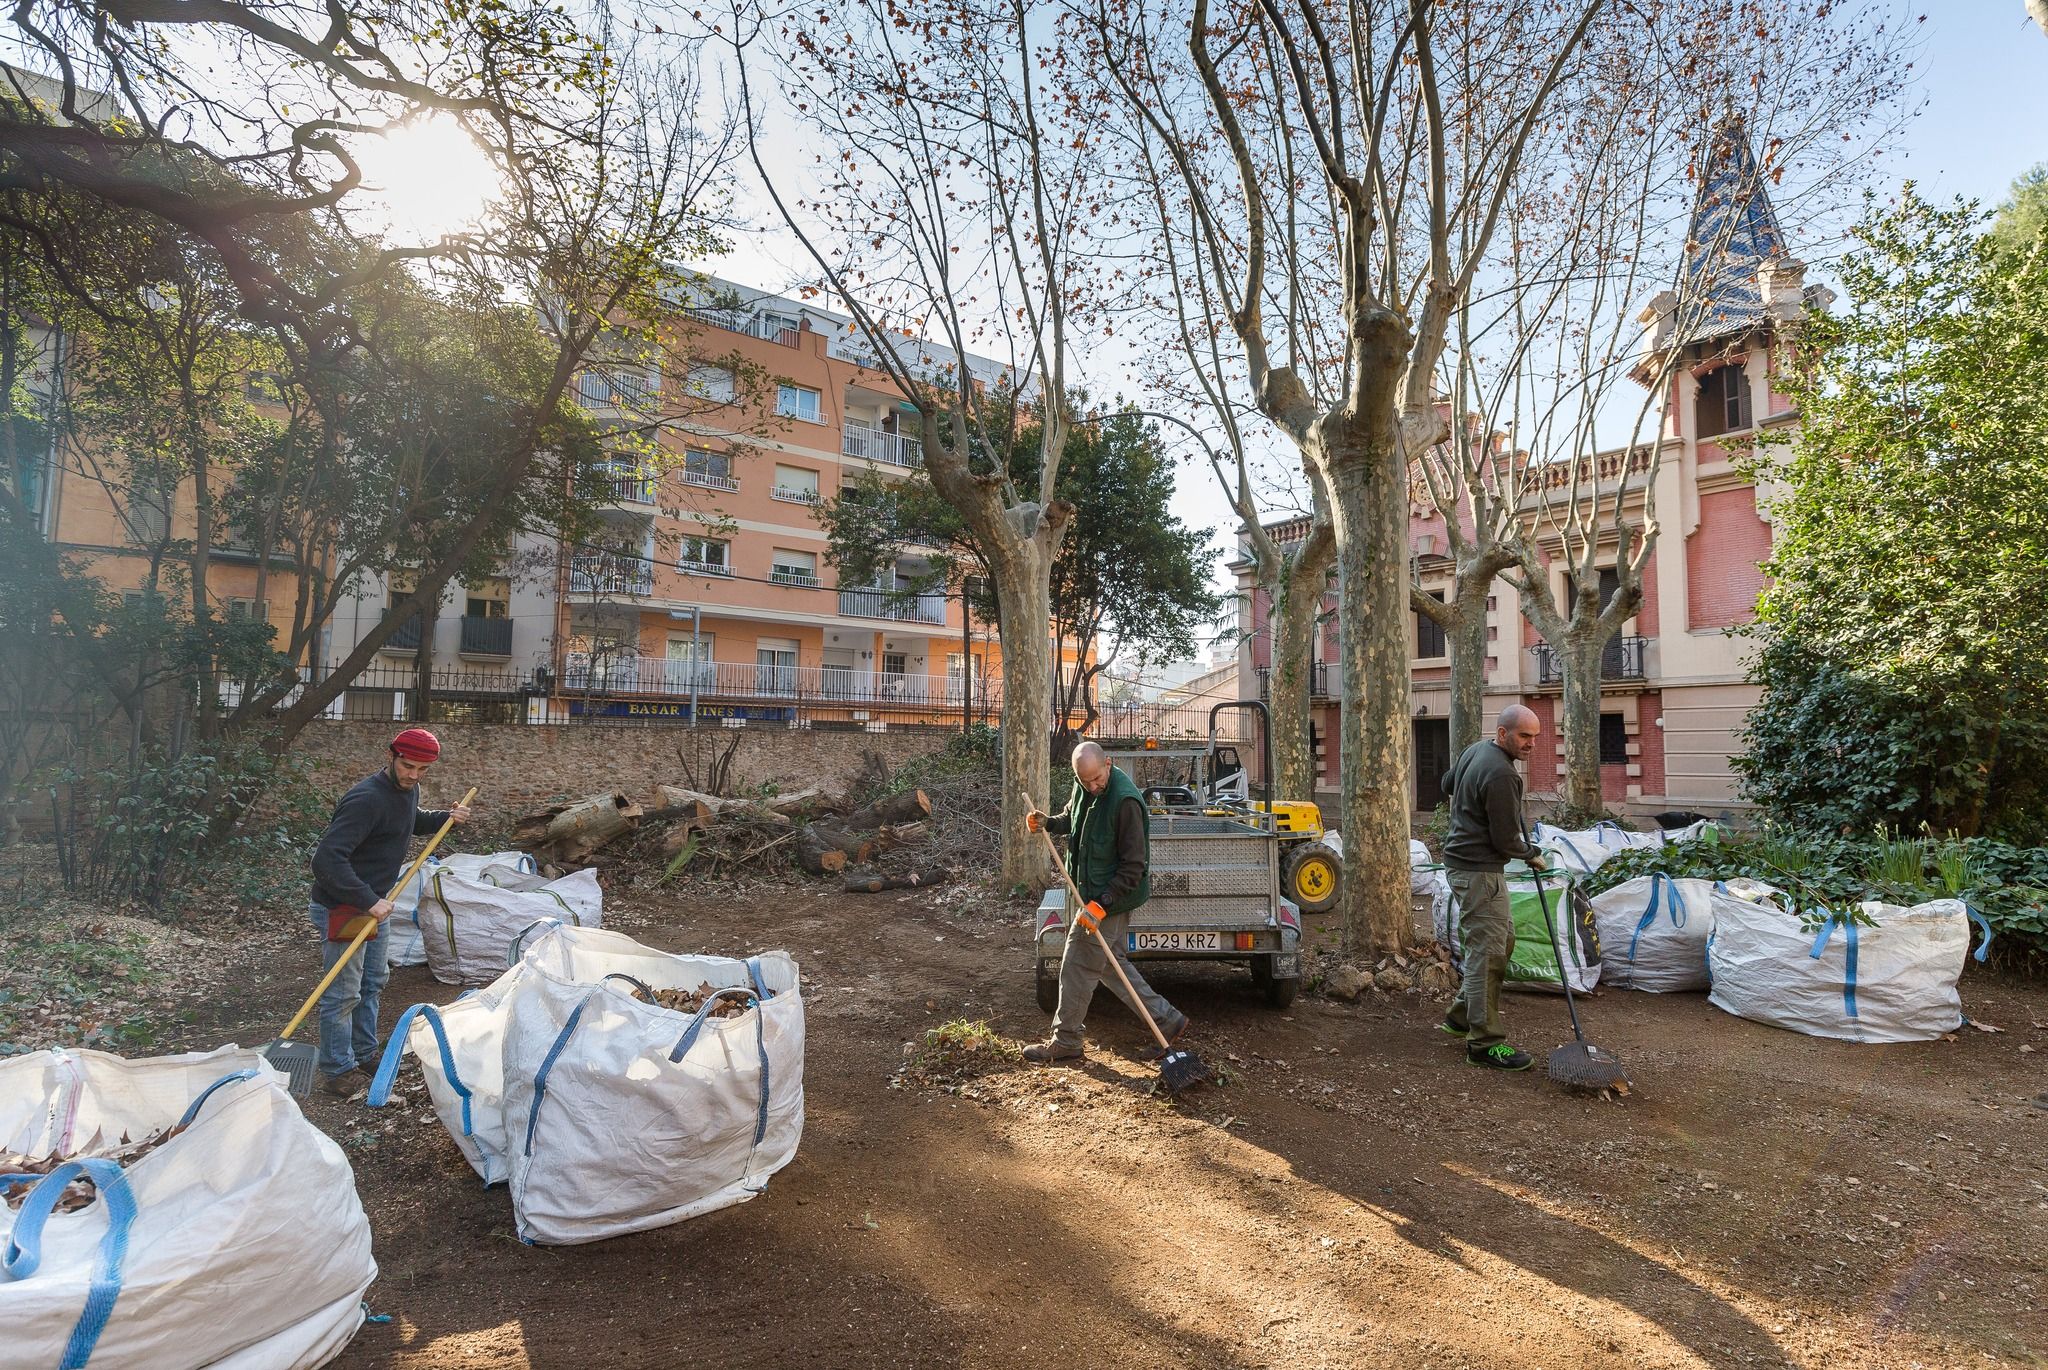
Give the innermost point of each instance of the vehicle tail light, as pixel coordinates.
(1244, 941)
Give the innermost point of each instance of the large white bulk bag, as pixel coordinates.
(238, 1243)
(469, 917)
(1429, 896)
(1653, 933)
(1534, 964)
(406, 947)
(609, 1115)
(1831, 977)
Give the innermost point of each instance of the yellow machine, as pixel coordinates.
(1310, 863)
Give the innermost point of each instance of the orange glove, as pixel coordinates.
(1034, 821)
(1091, 916)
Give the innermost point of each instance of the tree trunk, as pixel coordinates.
(1027, 708)
(1467, 641)
(1297, 600)
(1369, 488)
(423, 678)
(1579, 721)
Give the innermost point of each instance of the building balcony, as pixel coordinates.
(710, 481)
(703, 568)
(1318, 681)
(803, 580)
(484, 636)
(878, 444)
(406, 639)
(630, 488)
(750, 323)
(1623, 658)
(608, 575)
(897, 608)
(792, 495)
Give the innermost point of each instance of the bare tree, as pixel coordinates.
(1366, 150)
(952, 195)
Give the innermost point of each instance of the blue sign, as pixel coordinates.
(679, 711)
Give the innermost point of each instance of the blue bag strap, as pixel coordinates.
(24, 1250)
(754, 974)
(1577, 855)
(1983, 947)
(519, 942)
(1820, 944)
(540, 1077)
(1650, 912)
(689, 1036)
(394, 1051)
(192, 1109)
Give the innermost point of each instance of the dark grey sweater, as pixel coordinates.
(1486, 810)
(362, 853)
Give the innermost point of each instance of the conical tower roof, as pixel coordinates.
(1733, 233)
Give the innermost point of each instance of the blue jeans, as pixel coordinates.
(348, 1008)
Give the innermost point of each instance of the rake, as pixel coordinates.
(1179, 1068)
(1577, 1064)
(297, 1059)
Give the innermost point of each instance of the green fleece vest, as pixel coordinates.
(1091, 839)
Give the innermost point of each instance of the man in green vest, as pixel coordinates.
(1108, 831)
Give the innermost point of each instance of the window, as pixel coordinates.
(1429, 634)
(1610, 585)
(798, 402)
(1723, 405)
(488, 598)
(775, 665)
(780, 327)
(713, 383)
(894, 667)
(706, 556)
(678, 674)
(794, 568)
(710, 469)
(795, 484)
(1613, 740)
(593, 389)
(254, 610)
(149, 515)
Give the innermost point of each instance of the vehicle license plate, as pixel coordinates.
(1176, 941)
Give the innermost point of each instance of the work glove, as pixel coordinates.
(1091, 916)
(1034, 821)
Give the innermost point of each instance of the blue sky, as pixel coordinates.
(1985, 80)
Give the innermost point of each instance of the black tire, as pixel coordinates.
(1277, 993)
(1311, 877)
(1048, 986)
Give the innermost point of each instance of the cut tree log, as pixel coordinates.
(813, 799)
(570, 832)
(909, 835)
(858, 848)
(715, 806)
(817, 856)
(912, 806)
(862, 882)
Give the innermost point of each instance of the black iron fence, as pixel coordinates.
(1318, 681)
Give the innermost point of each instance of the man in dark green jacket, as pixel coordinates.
(1488, 831)
(1108, 855)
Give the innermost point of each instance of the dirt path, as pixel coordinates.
(1353, 1195)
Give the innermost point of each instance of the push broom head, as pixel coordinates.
(1179, 1070)
(295, 1059)
(1581, 1065)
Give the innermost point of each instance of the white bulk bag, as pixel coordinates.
(238, 1243)
(1894, 982)
(1653, 933)
(1429, 887)
(406, 948)
(556, 1078)
(469, 917)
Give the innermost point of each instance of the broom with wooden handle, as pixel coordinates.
(296, 1059)
(1178, 1067)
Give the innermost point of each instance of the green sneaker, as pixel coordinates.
(1499, 1056)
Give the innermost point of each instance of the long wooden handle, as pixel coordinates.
(1074, 894)
(370, 924)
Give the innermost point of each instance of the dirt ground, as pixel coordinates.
(1351, 1195)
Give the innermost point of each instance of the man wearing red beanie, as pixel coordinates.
(359, 859)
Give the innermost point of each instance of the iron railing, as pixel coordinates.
(1623, 658)
(599, 574)
(483, 636)
(890, 605)
(1318, 680)
(878, 444)
(752, 323)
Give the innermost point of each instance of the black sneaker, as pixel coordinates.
(1451, 1029)
(1499, 1056)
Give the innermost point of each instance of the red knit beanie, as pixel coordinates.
(416, 744)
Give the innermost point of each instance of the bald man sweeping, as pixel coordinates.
(1487, 832)
(1109, 856)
